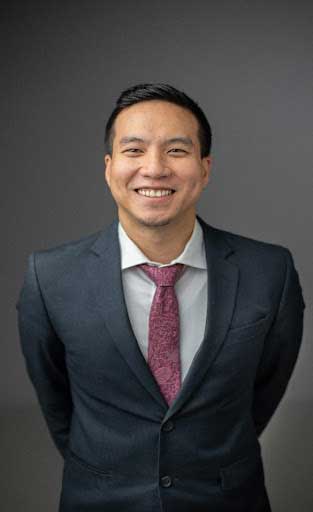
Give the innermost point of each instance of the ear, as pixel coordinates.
(107, 170)
(206, 166)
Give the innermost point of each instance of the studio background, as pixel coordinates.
(249, 65)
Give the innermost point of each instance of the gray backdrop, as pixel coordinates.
(248, 64)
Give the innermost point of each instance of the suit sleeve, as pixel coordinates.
(281, 349)
(45, 358)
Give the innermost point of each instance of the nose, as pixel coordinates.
(154, 165)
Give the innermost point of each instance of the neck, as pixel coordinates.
(160, 243)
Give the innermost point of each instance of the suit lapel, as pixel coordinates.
(222, 291)
(104, 273)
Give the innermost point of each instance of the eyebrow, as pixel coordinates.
(182, 140)
(127, 140)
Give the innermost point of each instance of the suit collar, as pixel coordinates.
(107, 239)
(215, 239)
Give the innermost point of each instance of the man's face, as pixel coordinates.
(156, 150)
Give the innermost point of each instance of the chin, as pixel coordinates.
(153, 222)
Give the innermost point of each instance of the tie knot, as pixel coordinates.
(163, 276)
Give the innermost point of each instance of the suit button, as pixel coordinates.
(166, 481)
(168, 426)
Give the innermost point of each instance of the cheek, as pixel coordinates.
(191, 176)
(122, 174)
(194, 185)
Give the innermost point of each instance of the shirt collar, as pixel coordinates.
(192, 255)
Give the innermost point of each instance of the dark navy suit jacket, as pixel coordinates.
(123, 448)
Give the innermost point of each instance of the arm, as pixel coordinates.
(281, 348)
(45, 358)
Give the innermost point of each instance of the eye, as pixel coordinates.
(132, 150)
(177, 150)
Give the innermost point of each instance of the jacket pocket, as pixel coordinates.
(72, 458)
(241, 471)
(248, 331)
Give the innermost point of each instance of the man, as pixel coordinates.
(161, 346)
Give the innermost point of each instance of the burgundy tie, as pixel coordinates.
(163, 347)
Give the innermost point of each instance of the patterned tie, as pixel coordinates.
(163, 347)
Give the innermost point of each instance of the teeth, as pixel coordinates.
(153, 193)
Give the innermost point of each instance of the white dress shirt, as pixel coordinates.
(190, 289)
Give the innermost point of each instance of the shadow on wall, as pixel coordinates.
(288, 458)
(33, 467)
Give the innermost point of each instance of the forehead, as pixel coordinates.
(156, 118)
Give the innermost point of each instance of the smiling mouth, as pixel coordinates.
(154, 193)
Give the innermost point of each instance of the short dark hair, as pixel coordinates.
(165, 92)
